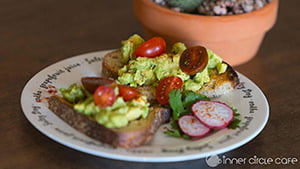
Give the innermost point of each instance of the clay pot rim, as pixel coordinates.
(194, 16)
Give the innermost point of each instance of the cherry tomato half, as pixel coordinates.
(165, 86)
(193, 60)
(151, 48)
(104, 96)
(128, 93)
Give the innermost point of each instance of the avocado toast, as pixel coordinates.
(216, 78)
(137, 133)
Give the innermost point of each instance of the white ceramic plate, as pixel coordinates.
(247, 98)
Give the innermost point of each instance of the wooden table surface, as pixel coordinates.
(35, 34)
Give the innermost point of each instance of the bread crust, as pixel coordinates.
(137, 133)
(111, 64)
(220, 84)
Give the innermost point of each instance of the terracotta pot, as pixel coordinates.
(235, 38)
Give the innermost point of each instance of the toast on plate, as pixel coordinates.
(218, 85)
(137, 133)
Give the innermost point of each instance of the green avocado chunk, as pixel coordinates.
(73, 93)
(129, 46)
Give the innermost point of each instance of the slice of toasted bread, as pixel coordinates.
(111, 64)
(218, 85)
(137, 133)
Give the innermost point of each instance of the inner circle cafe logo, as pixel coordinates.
(215, 160)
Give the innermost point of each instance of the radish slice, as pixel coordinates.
(213, 114)
(191, 126)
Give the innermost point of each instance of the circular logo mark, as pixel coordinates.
(213, 161)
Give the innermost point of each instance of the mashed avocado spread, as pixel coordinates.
(149, 71)
(116, 116)
(129, 46)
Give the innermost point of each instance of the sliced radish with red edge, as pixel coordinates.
(213, 114)
(192, 127)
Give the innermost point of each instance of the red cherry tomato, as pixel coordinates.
(128, 93)
(165, 86)
(151, 48)
(193, 60)
(104, 96)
